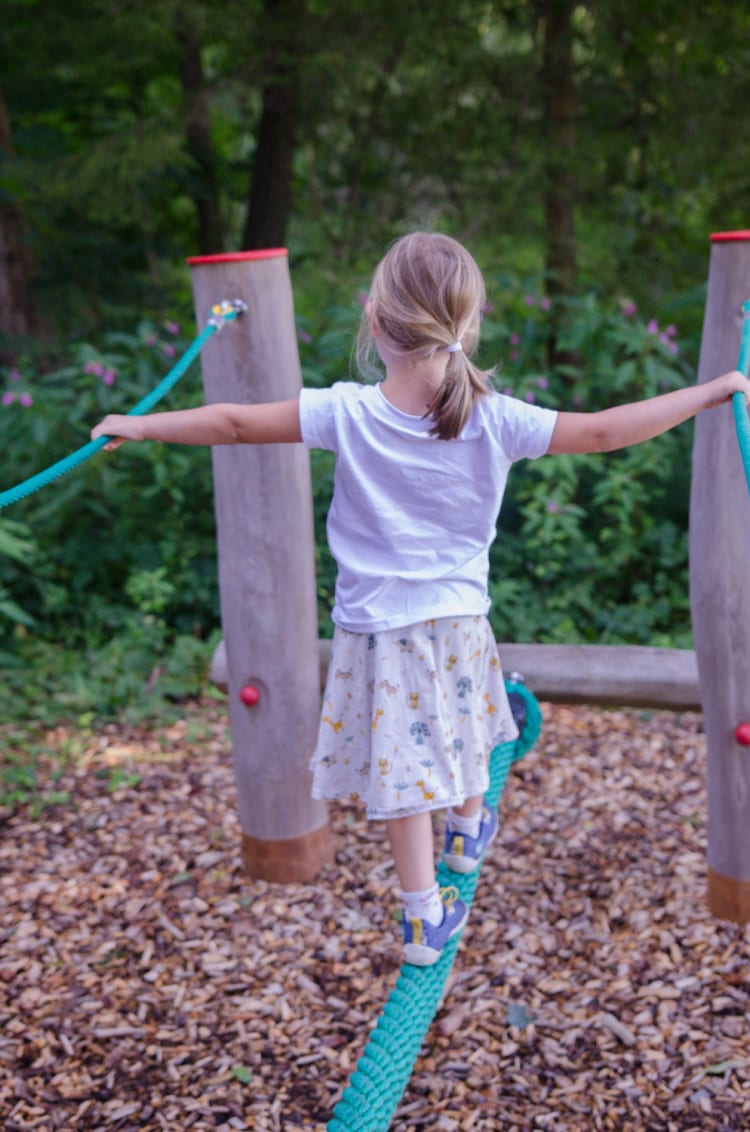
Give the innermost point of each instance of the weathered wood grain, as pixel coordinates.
(264, 519)
(720, 588)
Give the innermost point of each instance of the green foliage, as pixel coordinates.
(97, 531)
(15, 546)
(108, 591)
(594, 548)
(144, 672)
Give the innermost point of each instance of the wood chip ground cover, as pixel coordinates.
(147, 984)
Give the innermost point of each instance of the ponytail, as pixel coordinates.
(454, 400)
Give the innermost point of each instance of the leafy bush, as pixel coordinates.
(593, 548)
(144, 508)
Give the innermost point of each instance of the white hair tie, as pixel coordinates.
(455, 348)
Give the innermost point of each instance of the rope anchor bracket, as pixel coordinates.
(226, 311)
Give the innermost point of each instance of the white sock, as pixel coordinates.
(468, 826)
(424, 905)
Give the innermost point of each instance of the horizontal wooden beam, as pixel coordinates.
(603, 675)
(607, 675)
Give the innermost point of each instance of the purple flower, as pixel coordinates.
(671, 330)
(542, 382)
(363, 298)
(552, 507)
(303, 336)
(629, 309)
(488, 308)
(15, 375)
(26, 400)
(514, 355)
(664, 337)
(529, 300)
(95, 368)
(151, 340)
(545, 303)
(674, 348)
(172, 327)
(8, 398)
(530, 397)
(508, 391)
(109, 376)
(168, 349)
(515, 339)
(653, 327)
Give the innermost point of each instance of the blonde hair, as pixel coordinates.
(427, 294)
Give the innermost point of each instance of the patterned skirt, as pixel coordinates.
(410, 716)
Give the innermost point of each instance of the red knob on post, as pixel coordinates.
(742, 734)
(250, 696)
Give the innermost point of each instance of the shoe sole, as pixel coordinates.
(419, 955)
(466, 865)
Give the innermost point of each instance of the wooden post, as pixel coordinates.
(720, 586)
(263, 503)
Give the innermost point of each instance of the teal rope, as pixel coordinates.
(739, 405)
(13, 494)
(382, 1073)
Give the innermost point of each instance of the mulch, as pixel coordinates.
(147, 984)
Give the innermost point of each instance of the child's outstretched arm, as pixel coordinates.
(274, 423)
(623, 425)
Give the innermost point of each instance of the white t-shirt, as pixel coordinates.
(412, 517)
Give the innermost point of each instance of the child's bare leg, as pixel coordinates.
(413, 851)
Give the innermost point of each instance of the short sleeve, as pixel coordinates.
(525, 429)
(317, 415)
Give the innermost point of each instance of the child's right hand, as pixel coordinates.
(119, 427)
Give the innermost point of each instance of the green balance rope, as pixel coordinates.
(738, 401)
(382, 1073)
(220, 314)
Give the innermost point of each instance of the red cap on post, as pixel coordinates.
(239, 257)
(730, 237)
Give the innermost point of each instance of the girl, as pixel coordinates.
(415, 699)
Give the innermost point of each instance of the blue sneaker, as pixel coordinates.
(463, 853)
(423, 941)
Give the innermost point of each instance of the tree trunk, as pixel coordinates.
(205, 189)
(17, 316)
(271, 184)
(559, 115)
(558, 87)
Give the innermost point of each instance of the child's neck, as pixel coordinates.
(411, 387)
